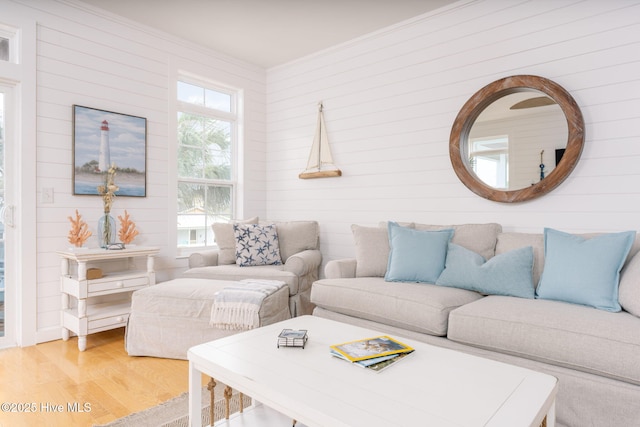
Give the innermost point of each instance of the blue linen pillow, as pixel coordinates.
(256, 245)
(416, 255)
(510, 273)
(584, 271)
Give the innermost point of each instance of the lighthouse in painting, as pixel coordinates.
(104, 159)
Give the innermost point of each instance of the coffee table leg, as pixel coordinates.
(195, 396)
(550, 419)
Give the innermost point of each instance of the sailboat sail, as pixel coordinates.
(320, 163)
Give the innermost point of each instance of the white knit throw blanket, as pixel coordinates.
(237, 307)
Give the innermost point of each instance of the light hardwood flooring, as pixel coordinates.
(105, 378)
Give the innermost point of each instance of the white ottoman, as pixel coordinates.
(170, 317)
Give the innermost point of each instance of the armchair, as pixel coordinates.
(299, 250)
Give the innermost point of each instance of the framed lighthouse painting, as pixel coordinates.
(102, 139)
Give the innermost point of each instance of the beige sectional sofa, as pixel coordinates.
(594, 352)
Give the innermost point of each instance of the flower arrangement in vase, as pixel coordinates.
(106, 224)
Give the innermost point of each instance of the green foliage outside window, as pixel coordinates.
(205, 172)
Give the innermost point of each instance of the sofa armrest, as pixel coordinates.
(340, 268)
(303, 262)
(203, 259)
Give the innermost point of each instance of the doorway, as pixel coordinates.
(3, 132)
(7, 135)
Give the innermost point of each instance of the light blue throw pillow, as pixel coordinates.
(416, 255)
(584, 271)
(510, 273)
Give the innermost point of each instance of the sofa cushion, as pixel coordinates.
(372, 243)
(558, 333)
(235, 272)
(629, 292)
(416, 255)
(584, 271)
(417, 307)
(297, 236)
(256, 245)
(226, 240)
(193, 298)
(480, 238)
(510, 241)
(372, 250)
(508, 274)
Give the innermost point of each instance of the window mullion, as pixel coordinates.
(202, 181)
(205, 111)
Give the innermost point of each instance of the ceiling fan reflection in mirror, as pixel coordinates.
(539, 101)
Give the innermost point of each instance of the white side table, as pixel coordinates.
(87, 318)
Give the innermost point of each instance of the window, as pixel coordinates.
(4, 49)
(489, 158)
(7, 44)
(207, 140)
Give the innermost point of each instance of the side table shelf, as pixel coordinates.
(88, 316)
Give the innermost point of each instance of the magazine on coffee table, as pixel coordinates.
(382, 365)
(370, 348)
(376, 364)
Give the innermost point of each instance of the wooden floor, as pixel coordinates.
(103, 381)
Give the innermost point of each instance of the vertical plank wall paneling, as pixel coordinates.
(390, 99)
(95, 59)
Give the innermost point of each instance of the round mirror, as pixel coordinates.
(516, 139)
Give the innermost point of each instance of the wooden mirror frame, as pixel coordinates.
(482, 99)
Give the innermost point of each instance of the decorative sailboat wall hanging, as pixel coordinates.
(320, 164)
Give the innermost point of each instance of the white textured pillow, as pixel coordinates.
(297, 236)
(256, 245)
(479, 238)
(629, 291)
(372, 250)
(515, 240)
(226, 241)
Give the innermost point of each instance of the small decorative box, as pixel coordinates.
(94, 273)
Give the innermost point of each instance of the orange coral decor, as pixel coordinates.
(127, 229)
(79, 232)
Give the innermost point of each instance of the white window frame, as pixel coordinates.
(500, 156)
(20, 74)
(234, 118)
(11, 33)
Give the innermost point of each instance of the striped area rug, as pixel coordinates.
(174, 412)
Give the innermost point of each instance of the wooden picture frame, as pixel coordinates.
(103, 138)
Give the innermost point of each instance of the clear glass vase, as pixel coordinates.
(106, 230)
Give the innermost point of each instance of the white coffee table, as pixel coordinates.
(433, 386)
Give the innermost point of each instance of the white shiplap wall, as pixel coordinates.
(390, 99)
(91, 58)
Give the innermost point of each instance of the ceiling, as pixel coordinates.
(268, 32)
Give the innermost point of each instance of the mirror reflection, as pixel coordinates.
(514, 136)
(517, 140)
